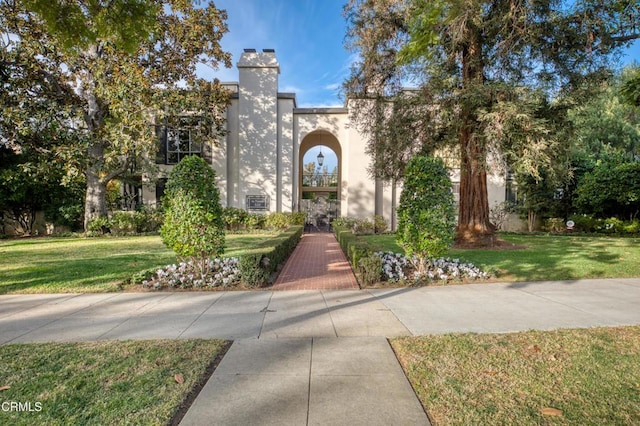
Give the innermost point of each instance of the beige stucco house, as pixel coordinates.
(260, 163)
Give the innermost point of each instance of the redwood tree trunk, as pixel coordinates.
(474, 226)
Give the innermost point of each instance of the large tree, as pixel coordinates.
(122, 66)
(474, 63)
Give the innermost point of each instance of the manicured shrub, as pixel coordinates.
(281, 221)
(256, 221)
(234, 218)
(99, 225)
(344, 222)
(362, 227)
(297, 218)
(277, 220)
(126, 222)
(426, 216)
(256, 268)
(370, 269)
(193, 225)
(380, 225)
(584, 223)
(153, 217)
(353, 247)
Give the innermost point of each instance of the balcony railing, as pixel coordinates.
(319, 180)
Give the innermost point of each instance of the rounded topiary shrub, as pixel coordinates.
(193, 224)
(426, 214)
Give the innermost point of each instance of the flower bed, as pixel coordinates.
(220, 273)
(397, 267)
(253, 269)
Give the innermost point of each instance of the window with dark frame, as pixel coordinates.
(184, 139)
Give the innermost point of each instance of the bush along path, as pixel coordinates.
(252, 270)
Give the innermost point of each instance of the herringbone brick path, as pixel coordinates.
(317, 263)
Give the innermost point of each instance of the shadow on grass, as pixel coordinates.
(547, 257)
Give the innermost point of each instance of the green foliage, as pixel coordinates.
(256, 221)
(555, 224)
(426, 217)
(234, 218)
(190, 230)
(606, 126)
(380, 225)
(257, 267)
(612, 189)
(193, 225)
(488, 72)
(98, 65)
(297, 218)
(281, 221)
(99, 225)
(630, 89)
(344, 222)
(277, 221)
(354, 248)
(362, 227)
(370, 269)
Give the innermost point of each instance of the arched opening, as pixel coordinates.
(320, 178)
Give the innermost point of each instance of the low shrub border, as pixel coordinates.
(256, 268)
(360, 253)
(253, 270)
(372, 266)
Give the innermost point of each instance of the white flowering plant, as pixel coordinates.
(397, 267)
(221, 272)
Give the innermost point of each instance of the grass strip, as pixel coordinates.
(546, 257)
(82, 265)
(106, 383)
(577, 377)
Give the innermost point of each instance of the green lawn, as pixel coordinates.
(549, 257)
(48, 265)
(105, 383)
(576, 377)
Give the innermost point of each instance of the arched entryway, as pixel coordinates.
(320, 178)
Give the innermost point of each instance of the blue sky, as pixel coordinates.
(308, 36)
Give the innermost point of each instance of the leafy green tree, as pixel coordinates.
(119, 67)
(29, 183)
(194, 219)
(612, 189)
(605, 125)
(426, 216)
(630, 88)
(474, 62)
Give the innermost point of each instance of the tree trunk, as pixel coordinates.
(474, 226)
(95, 204)
(531, 220)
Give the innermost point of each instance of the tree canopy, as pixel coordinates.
(485, 74)
(107, 72)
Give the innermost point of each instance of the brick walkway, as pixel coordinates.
(317, 263)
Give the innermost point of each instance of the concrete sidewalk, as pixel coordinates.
(316, 357)
(482, 308)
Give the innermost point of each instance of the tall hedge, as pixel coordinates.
(193, 225)
(426, 214)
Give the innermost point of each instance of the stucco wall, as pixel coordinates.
(258, 130)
